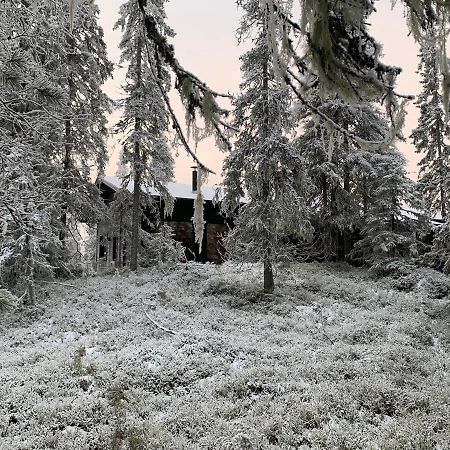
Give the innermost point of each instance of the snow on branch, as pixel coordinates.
(196, 95)
(154, 322)
(341, 57)
(175, 123)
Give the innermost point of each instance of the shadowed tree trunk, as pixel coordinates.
(346, 232)
(136, 218)
(68, 144)
(441, 172)
(269, 284)
(29, 271)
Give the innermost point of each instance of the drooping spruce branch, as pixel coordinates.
(175, 123)
(339, 56)
(197, 96)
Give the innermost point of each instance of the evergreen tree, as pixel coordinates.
(264, 165)
(145, 117)
(84, 67)
(357, 189)
(431, 140)
(75, 59)
(52, 128)
(432, 132)
(28, 183)
(338, 168)
(392, 218)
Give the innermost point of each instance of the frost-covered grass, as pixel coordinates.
(334, 360)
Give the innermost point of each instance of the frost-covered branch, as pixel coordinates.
(197, 96)
(154, 322)
(175, 123)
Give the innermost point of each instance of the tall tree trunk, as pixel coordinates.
(66, 172)
(441, 172)
(136, 216)
(269, 284)
(30, 271)
(324, 192)
(393, 225)
(346, 232)
(365, 197)
(120, 243)
(68, 144)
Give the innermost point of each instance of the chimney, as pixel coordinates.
(194, 179)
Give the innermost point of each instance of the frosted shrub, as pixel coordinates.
(7, 300)
(161, 247)
(392, 267)
(237, 294)
(332, 374)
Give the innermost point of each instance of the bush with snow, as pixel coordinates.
(7, 300)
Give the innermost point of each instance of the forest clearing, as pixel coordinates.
(224, 225)
(333, 360)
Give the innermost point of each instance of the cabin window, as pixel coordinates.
(101, 248)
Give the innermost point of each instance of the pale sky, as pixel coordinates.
(206, 45)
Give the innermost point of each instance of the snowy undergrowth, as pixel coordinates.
(334, 360)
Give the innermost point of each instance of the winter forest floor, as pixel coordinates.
(334, 360)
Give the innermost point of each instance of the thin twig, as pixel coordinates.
(154, 322)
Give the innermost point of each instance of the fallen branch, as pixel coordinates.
(154, 322)
(60, 284)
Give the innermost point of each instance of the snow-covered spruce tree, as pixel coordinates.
(27, 208)
(264, 165)
(84, 67)
(145, 118)
(432, 133)
(29, 101)
(392, 220)
(337, 167)
(357, 188)
(431, 140)
(75, 59)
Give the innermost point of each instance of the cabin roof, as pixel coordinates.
(411, 213)
(176, 190)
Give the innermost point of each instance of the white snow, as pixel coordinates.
(333, 360)
(176, 190)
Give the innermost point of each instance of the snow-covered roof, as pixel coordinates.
(176, 190)
(411, 213)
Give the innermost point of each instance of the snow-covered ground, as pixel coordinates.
(334, 360)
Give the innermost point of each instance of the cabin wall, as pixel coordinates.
(214, 242)
(111, 248)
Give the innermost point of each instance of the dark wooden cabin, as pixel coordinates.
(110, 242)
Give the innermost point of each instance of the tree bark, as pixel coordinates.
(30, 271)
(441, 173)
(136, 215)
(68, 144)
(346, 232)
(120, 243)
(269, 284)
